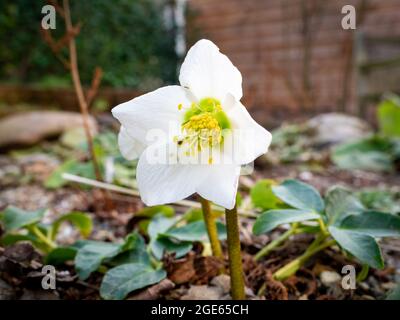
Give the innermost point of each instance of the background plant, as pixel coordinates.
(21, 225)
(380, 151)
(341, 219)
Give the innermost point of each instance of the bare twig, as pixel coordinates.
(78, 88)
(58, 8)
(48, 38)
(67, 36)
(98, 73)
(71, 64)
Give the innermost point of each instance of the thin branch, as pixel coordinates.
(67, 36)
(97, 75)
(58, 8)
(48, 38)
(78, 88)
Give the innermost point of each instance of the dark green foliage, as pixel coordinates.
(127, 38)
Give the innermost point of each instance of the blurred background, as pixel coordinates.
(295, 57)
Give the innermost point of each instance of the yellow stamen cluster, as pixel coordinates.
(202, 121)
(202, 127)
(200, 132)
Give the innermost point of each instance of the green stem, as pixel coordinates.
(319, 238)
(323, 227)
(235, 259)
(363, 273)
(211, 226)
(273, 244)
(36, 231)
(291, 268)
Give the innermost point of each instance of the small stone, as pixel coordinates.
(222, 281)
(334, 128)
(363, 285)
(203, 293)
(29, 128)
(306, 175)
(328, 278)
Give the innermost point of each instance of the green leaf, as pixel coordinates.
(120, 281)
(159, 244)
(15, 218)
(165, 245)
(90, 257)
(160, 224)
(133, 251)
(79, 219)
(196, 214)
(239, 199)
(396, 148)
(124, 175)
(373, 153)
(60, 255)
(388, 113)
(299, 195)
(73, 138)
(362, 246)
(195, 231)
(394, 294)
(131, 256)
(383, 200)
(10, 238)
(55, 180)
(373, 223)
(193, 215)
(71, 166)
(273, 218)
(262, 196)
(91, 254)
(341, 203)
(150, 212)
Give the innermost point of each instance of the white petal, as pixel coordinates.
(153, 116)
(209, 73)
(130, 148)
(248, 140)
(161, 182)
(220, 185)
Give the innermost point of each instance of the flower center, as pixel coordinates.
(202, 127)
(202, 131)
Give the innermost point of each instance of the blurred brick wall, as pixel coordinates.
(266, 40)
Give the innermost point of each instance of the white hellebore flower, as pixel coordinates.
(192, 138)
